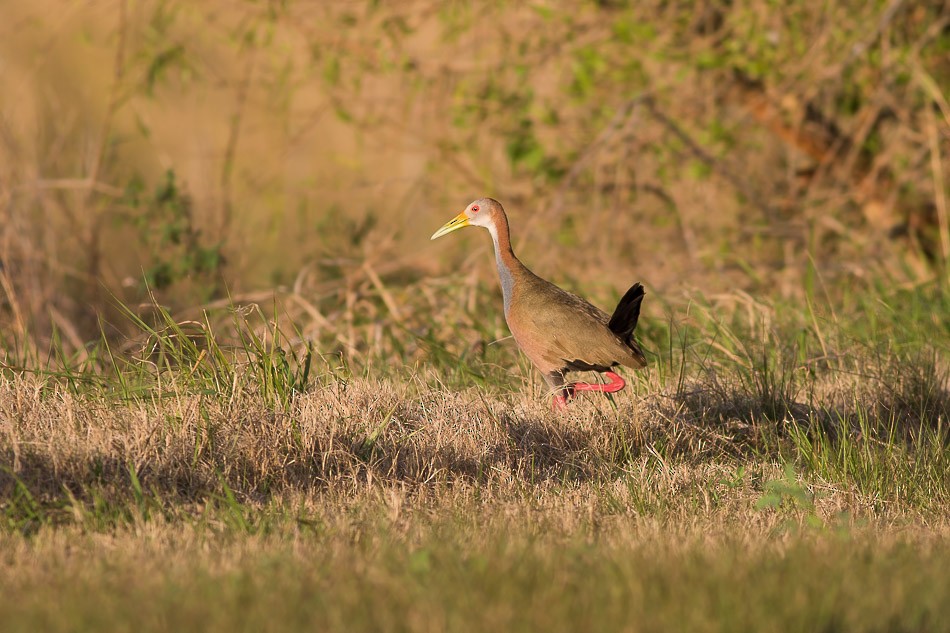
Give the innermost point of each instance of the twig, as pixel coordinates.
(940, 197)
(115, 97)
(932, 88)
(618, 122)
(230, 150)
(76, 183)
(115, 92)
(624, 114)
(7, 285)
(714, 164)
(69, 330)
(383, 292)
(887, 16)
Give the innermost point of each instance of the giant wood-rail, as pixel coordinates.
(558, 331)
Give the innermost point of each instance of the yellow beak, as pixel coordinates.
(452, 225)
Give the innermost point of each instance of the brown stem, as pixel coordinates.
(115, 98)
(230, 150)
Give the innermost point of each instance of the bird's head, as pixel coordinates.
(483, 212)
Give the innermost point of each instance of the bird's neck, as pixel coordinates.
(508, 264)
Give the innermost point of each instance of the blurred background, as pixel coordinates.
(231, 150)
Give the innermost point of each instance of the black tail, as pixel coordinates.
(624, 319)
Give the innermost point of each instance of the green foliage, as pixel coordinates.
(165, 60)
(166, 228)
(525, 151)
(786, 492)
(21, 511)
(281, 372)
(162, 54)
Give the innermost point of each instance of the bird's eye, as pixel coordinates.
(475, 209)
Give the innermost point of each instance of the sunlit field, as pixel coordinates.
(240, 389)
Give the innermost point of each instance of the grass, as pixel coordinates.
(239, 389)
(223, 475)
(499, 573)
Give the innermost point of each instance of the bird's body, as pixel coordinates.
(558, 331)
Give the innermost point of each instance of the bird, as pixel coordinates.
(558, 331)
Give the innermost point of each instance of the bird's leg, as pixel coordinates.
(562, 397)
(562, 392)
(616, 384)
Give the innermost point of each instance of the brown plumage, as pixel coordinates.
(558, 331)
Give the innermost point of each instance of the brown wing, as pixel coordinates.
(559, 330)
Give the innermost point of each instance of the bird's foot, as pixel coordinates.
(616, 384)
(561, 398)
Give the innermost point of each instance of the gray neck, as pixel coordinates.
(504, 271)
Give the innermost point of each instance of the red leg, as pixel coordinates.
(561, 398)
(616, 384)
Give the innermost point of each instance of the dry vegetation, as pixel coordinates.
(239, 390)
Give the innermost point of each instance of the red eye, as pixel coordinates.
(475, 208)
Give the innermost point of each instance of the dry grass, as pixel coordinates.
(397, 505)
(733, 486)
(345, 431)
(420, 481)
(506, 569)
(268, 418)
(311, 140)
